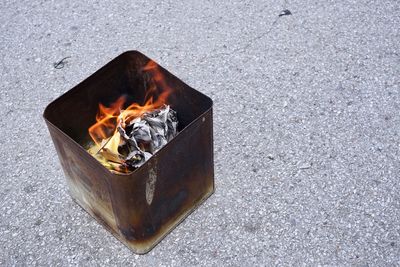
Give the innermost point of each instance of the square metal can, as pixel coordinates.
(141, 207)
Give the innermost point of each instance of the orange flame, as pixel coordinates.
(107, 118)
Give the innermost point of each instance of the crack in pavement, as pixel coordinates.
(250, 42)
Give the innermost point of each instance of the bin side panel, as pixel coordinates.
(149, 203)
(87, 183)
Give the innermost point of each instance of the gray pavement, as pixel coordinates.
(307, 124)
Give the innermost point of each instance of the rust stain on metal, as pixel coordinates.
(151, 184)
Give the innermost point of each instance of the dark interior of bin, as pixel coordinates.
(75, 111)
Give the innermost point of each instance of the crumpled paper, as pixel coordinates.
(145, 135)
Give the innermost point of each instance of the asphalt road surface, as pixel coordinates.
(306, 128)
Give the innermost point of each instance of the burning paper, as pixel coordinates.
(145, 135)
(124, 138)
(136, 139)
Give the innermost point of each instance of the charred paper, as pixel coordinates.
(136, 139)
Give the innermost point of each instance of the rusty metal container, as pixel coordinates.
(140, 207)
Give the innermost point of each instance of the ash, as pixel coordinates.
(145, 135)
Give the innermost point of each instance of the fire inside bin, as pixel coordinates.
(125, 138)
(150, 142)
